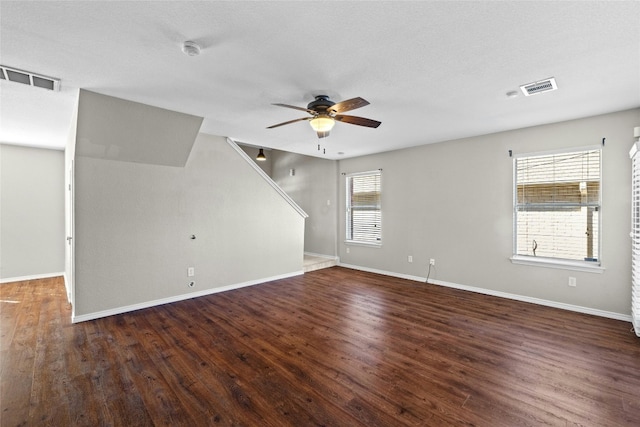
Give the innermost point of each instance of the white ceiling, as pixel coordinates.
(432, 71)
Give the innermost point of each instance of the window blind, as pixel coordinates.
(364, 217)
(557, 205)
(635, 240)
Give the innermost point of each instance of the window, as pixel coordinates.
(557, 206)
(363, 208)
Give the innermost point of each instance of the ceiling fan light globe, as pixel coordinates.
(322, 123)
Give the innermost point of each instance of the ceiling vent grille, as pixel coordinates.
(541, 86)
(28, 78)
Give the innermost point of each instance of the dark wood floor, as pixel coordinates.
(334, 347)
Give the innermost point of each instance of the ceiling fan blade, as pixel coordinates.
(295, 108)
(290, 121)
(360, 121)
(348, 105)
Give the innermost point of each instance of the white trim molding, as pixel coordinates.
(329, 257)
(32, 277)
(383, 272)
(516, 297)
(267, 178)
(587, 267)
(162, 301)
(533, 300)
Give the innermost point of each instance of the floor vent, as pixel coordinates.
(28, 78)
(539, 87)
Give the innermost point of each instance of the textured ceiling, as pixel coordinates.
(432, 71)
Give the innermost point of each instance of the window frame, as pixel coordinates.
(556, 262)
(348, 209)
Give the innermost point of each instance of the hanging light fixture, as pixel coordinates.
(322, 123)
(261, 157)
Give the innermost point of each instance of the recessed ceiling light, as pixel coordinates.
(512, 93)
(191, 48)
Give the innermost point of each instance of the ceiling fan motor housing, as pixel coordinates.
(321, 103)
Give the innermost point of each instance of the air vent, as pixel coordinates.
(28, 78)
(539, 87)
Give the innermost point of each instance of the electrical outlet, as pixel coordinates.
(348, 249)
(432, 261)
(191, 271)
(192, 284)
(572, 282)
(410, 258)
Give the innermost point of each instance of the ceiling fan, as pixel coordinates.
(324, 113)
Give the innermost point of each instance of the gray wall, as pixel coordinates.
(453, 202)
(133, 224)
(137, 203)
(32, 234)
(116, 129)
(314, 188)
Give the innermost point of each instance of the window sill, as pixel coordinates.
(589, 267)
(356, 243)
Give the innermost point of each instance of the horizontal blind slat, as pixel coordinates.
(364, 208)
(557, 204)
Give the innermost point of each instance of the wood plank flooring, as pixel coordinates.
(335, 347)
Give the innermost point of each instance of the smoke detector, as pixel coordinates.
(29, 78)
(191, 48)
(546, 85)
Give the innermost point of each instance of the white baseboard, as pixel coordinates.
(32, 277)
(636, 324)
(148, 304)
(523, 298)
(331, 257)
(67, 287)
(383, 272)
